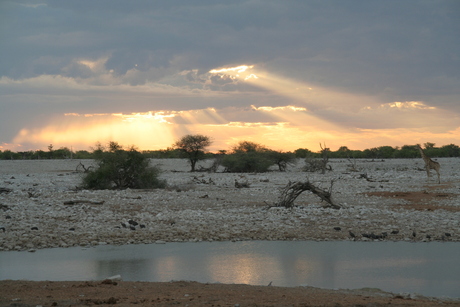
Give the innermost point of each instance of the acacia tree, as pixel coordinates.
(193, 147)
(248, 157)
(282, 159)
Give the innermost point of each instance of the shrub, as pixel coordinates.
(121, 169)
(248, 157)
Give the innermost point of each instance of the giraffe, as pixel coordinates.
(429, 164)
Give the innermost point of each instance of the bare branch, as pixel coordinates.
(293, 189)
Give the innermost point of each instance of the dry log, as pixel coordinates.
(293, 189)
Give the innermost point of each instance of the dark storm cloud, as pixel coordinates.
(362, 45)
(123, 56)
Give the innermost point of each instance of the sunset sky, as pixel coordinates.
(286, 74)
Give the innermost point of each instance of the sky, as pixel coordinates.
(284, 74)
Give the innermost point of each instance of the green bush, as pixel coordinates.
(251, 162)
(248, 157)
(122, 169)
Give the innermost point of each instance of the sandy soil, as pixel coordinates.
(181, 293)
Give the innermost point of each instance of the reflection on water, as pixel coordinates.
(427, 268)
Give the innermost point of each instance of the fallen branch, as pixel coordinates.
(75, 202)
(81, 168)
(293, 189)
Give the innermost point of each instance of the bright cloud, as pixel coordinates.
(98, 65)
(407, 105)
(238, 69)
(272, 109)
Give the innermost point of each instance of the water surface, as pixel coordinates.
(430, 269)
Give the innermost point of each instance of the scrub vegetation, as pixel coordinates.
(121, 169)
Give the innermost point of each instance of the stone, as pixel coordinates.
(134, 223)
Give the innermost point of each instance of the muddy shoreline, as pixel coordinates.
(184, 293)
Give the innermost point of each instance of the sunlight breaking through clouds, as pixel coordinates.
(149, 130)
(309, 115)
(242, 72)
(238, 69)
(270, 109)
(157, 116)
(407, 105)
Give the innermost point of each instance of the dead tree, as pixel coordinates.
(325, 157)
(314, 165)
(319, 164)
(352, 166)
(293, 189)
(82, 169)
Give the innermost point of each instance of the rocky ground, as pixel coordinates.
(41, 205)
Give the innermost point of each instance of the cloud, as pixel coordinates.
(352, 39)
(310, 68)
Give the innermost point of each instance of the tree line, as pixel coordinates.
(174, 152)
(120, 168)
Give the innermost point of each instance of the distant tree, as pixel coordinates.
(120, 169)
(303, 153)
(9, 155)
(39, 154)
(450, 150)
(385, 152)
(408, 151)
(62, 153)
(342, 152)
(430, 150)
(50, 150)
(193, 146)
(83, 154)
(282, 159)
(114, 146)
(248, 146)
(248, 157)
(371, 153)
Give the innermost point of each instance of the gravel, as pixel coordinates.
(42, 207)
